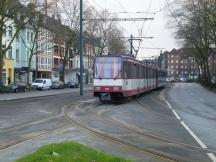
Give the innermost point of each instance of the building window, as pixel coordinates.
(182, 61)
(176, 61)
(42, 60)
(171, 67)
(4, 31)
(28, 36)
(55, 48)
(71, 64)
(77, 63)
(171, 61)
(17, 37)
(10, 53)
(28, 54)
(49, 61)
(176, 67)
(55, 62)
(17, 55)
(32, 37)
(10, 32)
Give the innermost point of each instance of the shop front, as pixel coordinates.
(8, 71)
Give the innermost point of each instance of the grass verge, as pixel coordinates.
(69, 152)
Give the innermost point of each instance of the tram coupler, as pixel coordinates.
(105, 97)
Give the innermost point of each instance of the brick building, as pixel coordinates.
(180, 64)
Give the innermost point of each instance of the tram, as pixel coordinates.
(120, 76)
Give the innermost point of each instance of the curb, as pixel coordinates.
(40, 96)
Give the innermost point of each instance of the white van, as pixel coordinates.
(42, 84)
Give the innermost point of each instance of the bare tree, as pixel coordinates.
(11, 18)
(194, 21)
(71, 49)
(14, 16)
(103, 33)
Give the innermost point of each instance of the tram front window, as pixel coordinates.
(108, 67)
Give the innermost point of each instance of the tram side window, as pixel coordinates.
(134, 70)
(126, 70)
(149, 76)
(141, 71)
(152, 73)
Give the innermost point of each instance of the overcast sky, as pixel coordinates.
(154, 28)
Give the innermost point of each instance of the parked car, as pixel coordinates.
(17, 87)
(73, 84)
(57, 85)
(42, 84)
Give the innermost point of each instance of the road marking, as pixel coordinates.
(212, 157)
(44, 111)
(197, 139)
(168, 104)
(177, 116)
(185, 126)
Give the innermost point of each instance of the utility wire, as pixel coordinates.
(141, 30)
(127, 14)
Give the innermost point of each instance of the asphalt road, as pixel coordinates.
(196, 106)
(146, 122)
(17, 112)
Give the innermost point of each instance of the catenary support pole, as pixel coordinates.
(81, 47)
(131, 45)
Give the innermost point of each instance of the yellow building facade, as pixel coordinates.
(8, 71)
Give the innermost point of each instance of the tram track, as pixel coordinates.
(35, 134)
(72, 123)
(142, 132)
(116, 140)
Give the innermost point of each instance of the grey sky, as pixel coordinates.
(156, 28)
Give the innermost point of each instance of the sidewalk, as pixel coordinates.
(15, 96)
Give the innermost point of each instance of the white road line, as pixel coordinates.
(168, 104)
(197, 139)
(185, 126)
(177, 116)
(212, 157)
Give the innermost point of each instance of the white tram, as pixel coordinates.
(117, 77)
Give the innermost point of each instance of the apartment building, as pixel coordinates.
(18, 54)
(180, 64)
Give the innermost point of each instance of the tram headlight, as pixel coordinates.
(116, 89)
(97, 88)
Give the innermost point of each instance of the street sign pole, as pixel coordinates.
(81, 47)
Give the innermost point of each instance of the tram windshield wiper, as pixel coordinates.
(117, 75)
